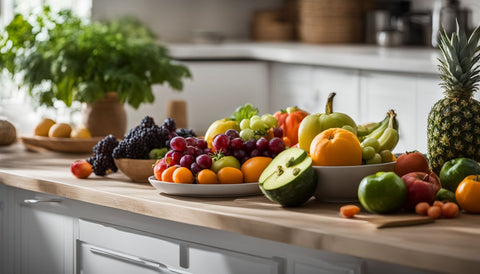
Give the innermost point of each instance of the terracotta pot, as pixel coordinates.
(105, 116)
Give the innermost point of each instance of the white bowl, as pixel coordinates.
(340, 183)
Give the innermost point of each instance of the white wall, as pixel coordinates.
(174, 20)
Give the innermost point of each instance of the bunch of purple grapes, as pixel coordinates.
(192, 153)
(230, 144)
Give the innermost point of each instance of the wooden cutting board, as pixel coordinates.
(384, 221)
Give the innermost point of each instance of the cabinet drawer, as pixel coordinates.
(131, 242)
(93, 260)
(203, 259)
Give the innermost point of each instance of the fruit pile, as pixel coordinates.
(229, 151)
(49, 128)
(145, 141)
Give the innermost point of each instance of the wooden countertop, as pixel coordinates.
(451, 245)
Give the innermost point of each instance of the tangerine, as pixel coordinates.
(253, 168)
(167, 174)
(207, 176)
(230, 175)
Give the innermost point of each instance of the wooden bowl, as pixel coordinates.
(136, 169)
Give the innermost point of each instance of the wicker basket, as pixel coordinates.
(271, 25)
(330, 21)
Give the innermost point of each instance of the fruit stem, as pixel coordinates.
(392, 115)
(290, 162)
(329, 106)
(426, 178)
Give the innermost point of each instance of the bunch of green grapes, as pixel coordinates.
(371, 153)
(257, 126)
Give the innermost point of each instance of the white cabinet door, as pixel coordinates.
(44, 235)
(345, 83)
(383, 91)
(292, 85)
(216, 89)
(204, 259)
(428, 93)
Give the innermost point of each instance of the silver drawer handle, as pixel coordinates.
(36, 201)
(134, 259)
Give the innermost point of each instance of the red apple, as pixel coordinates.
(81, 169)
(413, 161)
(421, 187)
(159, 167)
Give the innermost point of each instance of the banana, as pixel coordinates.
(376, 133)
(366, 129)
(389, 138)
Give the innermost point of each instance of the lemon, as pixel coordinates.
(60, 130)
(80, 132)
(43, 127)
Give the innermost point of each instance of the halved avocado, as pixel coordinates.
(289, 179)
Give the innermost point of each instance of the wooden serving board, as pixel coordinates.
(384, 221)
(68, 145)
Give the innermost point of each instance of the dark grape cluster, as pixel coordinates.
(141, 139)
(185, 132)
(102, 160)
(232, 144)
(192, 153)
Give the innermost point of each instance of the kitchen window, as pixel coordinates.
(9, 7)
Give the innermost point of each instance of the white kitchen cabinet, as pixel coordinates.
(428, 93)
(345, 83)
(383, 91)
(292, 85)
(205, 260)
(106, 248)
(215, 91)
(44, 234)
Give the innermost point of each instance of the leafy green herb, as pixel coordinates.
(244, 112)
(61, 57)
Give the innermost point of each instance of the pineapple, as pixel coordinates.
(453, 128)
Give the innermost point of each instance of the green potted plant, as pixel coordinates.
(60, 57)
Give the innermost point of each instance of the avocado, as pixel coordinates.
(289, 179)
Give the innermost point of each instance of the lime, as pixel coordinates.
(383, 192)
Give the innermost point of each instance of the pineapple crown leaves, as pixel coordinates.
(460, 71)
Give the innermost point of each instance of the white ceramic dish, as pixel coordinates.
(213, 190)
(340, 183)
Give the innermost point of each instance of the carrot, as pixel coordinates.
(348, 211)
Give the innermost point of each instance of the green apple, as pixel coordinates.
(225, 161)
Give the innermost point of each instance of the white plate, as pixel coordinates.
(205, 190)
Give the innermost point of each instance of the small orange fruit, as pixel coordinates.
(230, 175)
(182, 175)
(253, 168)
(207, 176)
(167, 174)
(336, 147)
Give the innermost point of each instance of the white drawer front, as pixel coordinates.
(137, 243)
(211, 260)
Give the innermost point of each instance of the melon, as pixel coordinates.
(8, 133)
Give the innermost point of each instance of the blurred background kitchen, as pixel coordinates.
(276, 53)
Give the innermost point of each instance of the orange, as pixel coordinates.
(253, 168)
(207, 176)
(182, 175)
(167, 174)
(336, 147)
(230, 175)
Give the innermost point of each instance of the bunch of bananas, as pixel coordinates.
(379, 139)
